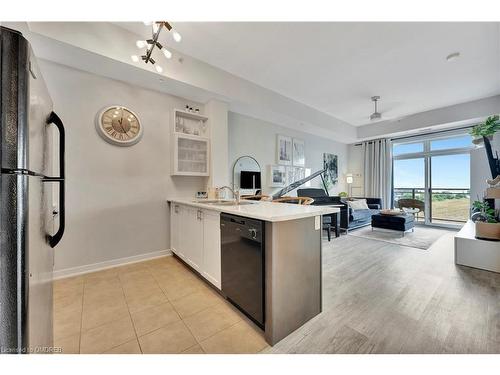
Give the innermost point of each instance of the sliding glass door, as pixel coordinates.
(432, 176)
(409, 184)
(450, 188)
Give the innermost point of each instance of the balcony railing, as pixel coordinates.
(448, 205)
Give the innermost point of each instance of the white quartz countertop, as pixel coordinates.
(266, 211)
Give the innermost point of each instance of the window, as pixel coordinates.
(450, 188)
(407, 148)
(409, 173)
(462, 141)
(450, 171)
(432, 173)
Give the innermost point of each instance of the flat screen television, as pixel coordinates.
(249, 180)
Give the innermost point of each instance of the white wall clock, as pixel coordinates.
(119, 126)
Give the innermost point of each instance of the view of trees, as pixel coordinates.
(441, 196)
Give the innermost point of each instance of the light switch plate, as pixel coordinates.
(317, 222)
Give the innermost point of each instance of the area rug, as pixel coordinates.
(422, 238)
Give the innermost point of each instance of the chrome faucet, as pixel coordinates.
(236, 193)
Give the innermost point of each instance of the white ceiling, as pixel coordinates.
(336, 67)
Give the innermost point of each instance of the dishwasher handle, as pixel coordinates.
(247, 228)
(238, 221)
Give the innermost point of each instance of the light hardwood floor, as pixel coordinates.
(377, 298)
(384, 298)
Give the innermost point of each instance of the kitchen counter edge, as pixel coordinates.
(283, 212)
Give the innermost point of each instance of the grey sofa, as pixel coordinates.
(349, 218)
(361, 218)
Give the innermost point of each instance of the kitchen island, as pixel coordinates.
(292, 242)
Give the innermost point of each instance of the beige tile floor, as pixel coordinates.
(157, 306)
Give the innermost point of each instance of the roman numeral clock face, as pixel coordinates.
(119, 126)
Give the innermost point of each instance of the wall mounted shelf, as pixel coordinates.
(191, 144)
(191, 115)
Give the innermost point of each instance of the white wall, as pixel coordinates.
(257, 138)
(356, 165)
(116, 196)
(217, 121)
(437, 119)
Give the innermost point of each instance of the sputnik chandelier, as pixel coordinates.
(150, 44)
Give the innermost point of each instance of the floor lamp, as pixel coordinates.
(349, 179)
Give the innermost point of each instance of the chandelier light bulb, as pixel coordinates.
(153, 41)
(177, 36)
(167, 53)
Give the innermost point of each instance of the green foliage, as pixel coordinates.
(479, 205)
(487, 128)
(436, 196)
(485, 209)
(418, 195)
(342, 194)
(445, 196)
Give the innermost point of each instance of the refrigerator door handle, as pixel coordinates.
(54, 240)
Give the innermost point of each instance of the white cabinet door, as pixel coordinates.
(186, 223)
(175, 223)
(195, 238)
(192, 234)
(211, 269)
(191, 155)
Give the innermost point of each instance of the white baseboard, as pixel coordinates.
(80, 270)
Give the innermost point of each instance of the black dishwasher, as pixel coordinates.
(242, 253)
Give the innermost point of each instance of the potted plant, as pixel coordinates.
(483, 212)
(486, 221)
(343, 194)
(485, 129)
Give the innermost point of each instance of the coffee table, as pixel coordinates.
(401, 223)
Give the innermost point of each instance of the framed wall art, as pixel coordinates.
(284, 150)
(277, 176)
(298, 147)
(330, 163)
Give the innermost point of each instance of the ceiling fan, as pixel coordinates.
(375, 115)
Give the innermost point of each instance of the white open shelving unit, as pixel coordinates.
(473, 252)
(191, 144)
(476, 252)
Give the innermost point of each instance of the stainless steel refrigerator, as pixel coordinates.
(31, 198)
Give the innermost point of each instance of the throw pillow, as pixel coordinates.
(358, 204)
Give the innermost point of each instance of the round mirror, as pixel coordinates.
(247, 175)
